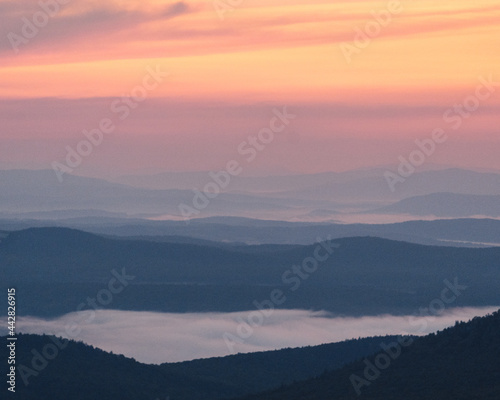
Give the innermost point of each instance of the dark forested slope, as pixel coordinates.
(459, 363)
(82, 372)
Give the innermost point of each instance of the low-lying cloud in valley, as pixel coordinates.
(161, 337)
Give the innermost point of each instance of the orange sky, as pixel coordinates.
(430, 54)
(281, 49)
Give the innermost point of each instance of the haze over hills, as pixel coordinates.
(447, 205)
(253, 184)
(320, 197)
(349, 185)
(28, 192)
(374, 187)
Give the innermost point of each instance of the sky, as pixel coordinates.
(184, 84)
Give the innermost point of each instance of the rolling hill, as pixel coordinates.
(362, 275)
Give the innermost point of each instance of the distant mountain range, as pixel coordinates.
(327, 196)
(364, 184)
(362, 276)
(38, 194)
(373, 187)
(455, 232)
(447, 205)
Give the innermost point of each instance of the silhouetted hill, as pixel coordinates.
(362, 276)
(83, 372)
(66, 255)
(59, 255)
(459, 363)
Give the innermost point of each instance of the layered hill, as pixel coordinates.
(354, 276)
(471, 232)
